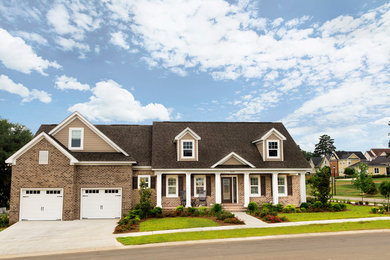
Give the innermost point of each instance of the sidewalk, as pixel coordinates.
(252, 224)
(359, 199)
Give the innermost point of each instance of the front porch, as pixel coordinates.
(234, 190)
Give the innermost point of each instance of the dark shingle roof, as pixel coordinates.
(379, 151)
(346, 154)
(219, 139)
(316, 161)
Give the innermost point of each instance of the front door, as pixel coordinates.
(226, 189)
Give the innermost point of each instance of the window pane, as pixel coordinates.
(76, 134)
(76, 143)
(199, 181)
(171, 181)
(254, 181)
(187, 153)
(172, 190)
(273, 153)
(199, 189)
(273, 145)
(187, 145)
(254, 190)
(145, 179)
(280, 181)
(281, 189)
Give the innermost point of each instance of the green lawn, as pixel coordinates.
(254, 232)
(176, 223)
(1, 229)
(351, 212)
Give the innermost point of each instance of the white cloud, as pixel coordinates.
(16, 54)
(32, 37)
(70, 44)
(111, 102)
(119, 39)
(10, 86)
(63, 82)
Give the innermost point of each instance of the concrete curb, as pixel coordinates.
(274, 237)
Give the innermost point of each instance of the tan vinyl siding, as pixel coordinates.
(232, 161)
(188, 137)
(92, 142)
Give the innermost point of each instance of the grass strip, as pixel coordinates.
(255, 232)
(176, 223)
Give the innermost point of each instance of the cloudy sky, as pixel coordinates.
(317, 66)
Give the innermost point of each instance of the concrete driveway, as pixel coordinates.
(31, 237)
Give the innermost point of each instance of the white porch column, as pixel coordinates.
(159, 190)
(246, 189)
(218, 188)
(188, 190)
(303, 187)
(275, 192)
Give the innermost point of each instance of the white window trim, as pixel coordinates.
(204, 181)
(143, 176)
(273, 157)
(71, 129)
(182, 150)
(285, 185)
(167, 186)
(40, 158)
(258, 185)
(376, 169)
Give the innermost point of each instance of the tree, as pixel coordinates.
(307, 155)
(320, 184)
(363, 181)
(145, 201)
(384, 189)
(349, 171)
(325, 146)
(12, 138)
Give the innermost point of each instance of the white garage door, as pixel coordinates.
(101, 203)
(41, 204)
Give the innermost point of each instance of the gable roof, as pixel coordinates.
(347, 154)
(184, 132)
(380, 151)
(35, 140)
(77, 115)
(316, 161)
(218, 140)
(235, 156)
(267, 134)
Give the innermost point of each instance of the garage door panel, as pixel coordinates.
(41, 204)
(101, 203)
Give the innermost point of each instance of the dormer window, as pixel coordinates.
(273, 148)
(187, 149)
(76, 138)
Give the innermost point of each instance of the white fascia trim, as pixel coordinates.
(233, 170)
(75, 115)
(106, 163)
(273, 130)
(185, 131)
(35, 140)
(234, 155)
(142, 167)
(335, 155)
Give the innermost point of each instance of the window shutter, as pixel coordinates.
(272, 187)
(289, 185)
(192, 185)
(163, 186)
(208, 185)
(263, 187)
(153, 182)
(135, 182)
(181, 184)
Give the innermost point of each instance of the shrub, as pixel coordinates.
(156, 212)
(203, 211)
(264, 213)
(216, 208)
(310, 200)
(223, 215)
(274, 219)
(317, 205)
(267, 206)
(233, 220)
(135, 213)
(289, 209)
(252, 207)
(279, 207)
(298, 210)
(304, 205)
(336, 207)
(321, 185)
(4, 220)
(123, 228)
(179, 210)
(145, 201)
(374, 210)
(191, 210)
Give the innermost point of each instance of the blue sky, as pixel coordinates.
(317, 66)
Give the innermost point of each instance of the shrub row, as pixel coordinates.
(4, 220)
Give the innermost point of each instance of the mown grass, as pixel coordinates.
(254, 232)
(351, 212)
(175, 223)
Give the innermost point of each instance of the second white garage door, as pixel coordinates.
(101, 203)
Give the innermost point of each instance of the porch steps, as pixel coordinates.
(233, 207)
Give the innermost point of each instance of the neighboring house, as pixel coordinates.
(77, 170)
(378, 166)
(342, 159)
(375, 152)
(318, 163)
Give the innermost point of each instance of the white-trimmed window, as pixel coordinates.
(172, 184)
(76, 138)
(273, 148)
(43, 157)
(187, 149)
(376, 170)
(255, 185)
(199, 184)
(145, 178)
(349, 161)
(282, 185)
